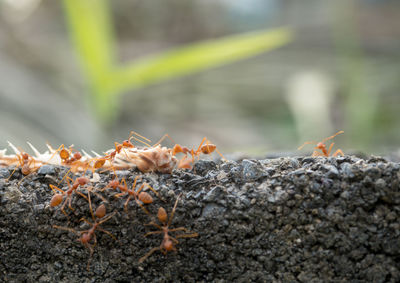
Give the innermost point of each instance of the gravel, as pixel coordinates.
(297, 219)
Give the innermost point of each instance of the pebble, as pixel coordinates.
(46, 170)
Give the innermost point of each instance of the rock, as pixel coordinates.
(276, 220)
(46, 170)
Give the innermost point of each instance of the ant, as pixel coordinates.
(168, 243)
(86, 236)
(206, 148)
(68, 156)
(25, 161)
(138, 195)
(58, 197)
(321, 146)
(99, 162)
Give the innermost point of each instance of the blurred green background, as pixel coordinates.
(254, 76)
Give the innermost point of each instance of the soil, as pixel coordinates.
(297, 219)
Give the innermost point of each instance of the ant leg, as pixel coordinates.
(107, 218)
(204, 140)
(155, 225)
(185, 163)
(108, 233)
(150, 187)
(90, 207)
(173, 210)
(316, 153)
(163, 138)
(21, 163)
(87, 222)
(134, 182)
(70, 202)
(330, 148)
(82, 195)
(54, 188)
(120, 194)
(124, 186)
(136, 134)
(153, 233)
(174, 240)
(141, 206)
(339, 151)
(66, 229)
(178, 229)
(192, 235)
(126, 204)
(91, 249)
(220, 154)
(55, 151)
(64, 204)
(143, 258)
(96, 193)
(66, 175)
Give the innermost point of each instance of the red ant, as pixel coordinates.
(87, 235)
(144, 197)
(99, 162)
(25, 161)
(58, 197)
(207, 148)
(321, 146)
(168, 243)
(66, 155)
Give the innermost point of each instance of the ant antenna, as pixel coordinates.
(331, 137)
(308, 142)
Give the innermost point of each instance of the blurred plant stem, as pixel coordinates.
(360, 100)
(91, 29)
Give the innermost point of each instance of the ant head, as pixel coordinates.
(162, 215)
(320, 145)
(24, 155)
(77, 155)
(114, 183)
(127, 143)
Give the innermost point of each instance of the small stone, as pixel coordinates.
(380, 184)
(332, 171)
(213, 194)
(46, 170)
(4, 173)
(251, 170)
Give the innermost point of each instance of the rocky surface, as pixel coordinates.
(298, 219)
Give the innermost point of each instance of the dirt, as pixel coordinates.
(297, 219)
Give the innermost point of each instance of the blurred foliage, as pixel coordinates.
(361, 100)
(91, 29)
